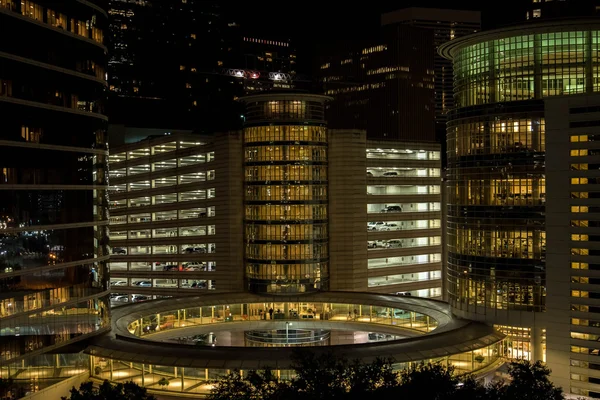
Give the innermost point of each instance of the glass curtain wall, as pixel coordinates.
(285, 196)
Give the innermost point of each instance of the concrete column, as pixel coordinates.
(536, 347)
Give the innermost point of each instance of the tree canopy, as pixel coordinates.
(329, 377)
(107, 391)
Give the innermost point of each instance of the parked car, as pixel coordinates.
(403, 294)
(143, 283)
(392, 209)
(139, 297)
(195, 250)
(118, 283)
(388, 227)
(390, 173)
(376, 336)
(121, 298)
(394, 243)
(170, 268)
(374, 225)
(369, 174)
(119, 250)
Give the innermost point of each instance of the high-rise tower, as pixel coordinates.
(522, 205)
(285, 193)
(53, 180)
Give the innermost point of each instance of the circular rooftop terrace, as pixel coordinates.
(433, 332)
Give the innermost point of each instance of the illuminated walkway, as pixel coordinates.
(135, 349)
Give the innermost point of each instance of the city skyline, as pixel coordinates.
(192, 188)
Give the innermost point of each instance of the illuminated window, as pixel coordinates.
(188, 85)
(579, 153)
(579, 209)
(193, 36)
(577, 237)
(31, 134)
(32, 10)
(579, 181)
(579, 252)
(580, 222)
(220, 63)
(576, 293)
(537, 13)
(579, 138)
(579, 195)
(579, 167)
(579, 265)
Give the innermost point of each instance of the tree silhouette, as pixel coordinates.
(107, 391)
(325, 376)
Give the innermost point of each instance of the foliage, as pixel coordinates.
(5, 386)
(530, 382)
(106, 391)
(258, 385)
(163, 382)
(324, 376)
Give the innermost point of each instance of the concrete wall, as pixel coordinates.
(229, 211)
(347, 210)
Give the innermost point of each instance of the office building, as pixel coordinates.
(545, 9)
(446, 25)
(521, 160)
(53, 187)
(384, 86)
(256, 64)
(164, 58)
(173, 65)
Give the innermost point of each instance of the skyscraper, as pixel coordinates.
(384, 86)
(181, 65)
(544, 9)
(521, 211)
(163, 61)
(53, 181)
(446, 25)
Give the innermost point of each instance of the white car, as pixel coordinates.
(375, 226)
(388, 227)
(118, 283)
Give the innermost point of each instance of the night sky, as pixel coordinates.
(310, 23)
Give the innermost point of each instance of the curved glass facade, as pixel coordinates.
(527, 67)
(285, 194)
(496, 219)
(53, 181)
(496, 159)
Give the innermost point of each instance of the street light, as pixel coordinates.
(287, 325)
